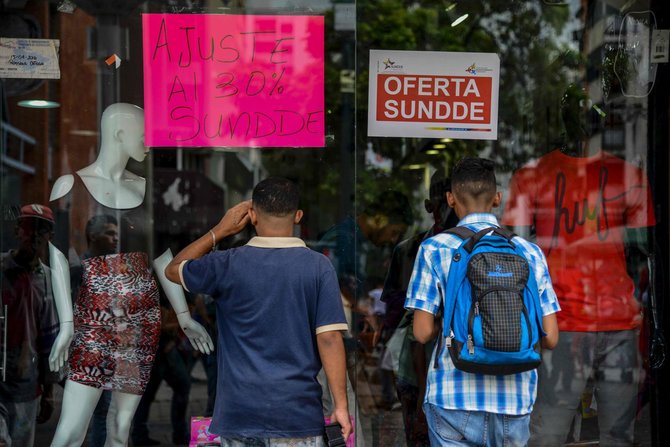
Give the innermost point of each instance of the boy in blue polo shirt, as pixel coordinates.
(464, 408)
(279, 318)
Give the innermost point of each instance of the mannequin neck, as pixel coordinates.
(108, 181)
(111, 162)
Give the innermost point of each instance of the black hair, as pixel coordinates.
(439, 185)
(95, 224)
(474, 179)
(276, 196)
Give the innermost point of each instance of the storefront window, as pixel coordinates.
(129, 128)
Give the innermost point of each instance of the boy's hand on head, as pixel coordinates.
(234, 221)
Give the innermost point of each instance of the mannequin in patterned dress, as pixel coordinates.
(114, 188)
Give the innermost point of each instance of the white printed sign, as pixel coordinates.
(433, 94)
(29, 58)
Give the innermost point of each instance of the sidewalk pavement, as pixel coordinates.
(160, 427)
(382, 428)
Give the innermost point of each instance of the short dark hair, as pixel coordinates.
(474, 178)
(96, 223)
(439, 185)
(276, 196)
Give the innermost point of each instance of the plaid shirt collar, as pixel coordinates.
(479, 218)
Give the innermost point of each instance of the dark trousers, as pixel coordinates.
(97, 430)
(416, 430)
(171, 367)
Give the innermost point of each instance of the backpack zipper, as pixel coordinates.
(438, 351)
(474, 311)
(471, 345)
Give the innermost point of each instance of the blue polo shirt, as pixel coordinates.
(273, 296)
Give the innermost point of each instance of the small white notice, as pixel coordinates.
(29, 58)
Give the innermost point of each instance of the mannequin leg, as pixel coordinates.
(79, 401)
(120, 418)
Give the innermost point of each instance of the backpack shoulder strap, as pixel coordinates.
(504, 232)
(464, 234)
(461, 232)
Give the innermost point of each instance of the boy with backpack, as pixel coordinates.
(487, 296)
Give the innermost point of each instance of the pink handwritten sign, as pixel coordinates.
(233, 81)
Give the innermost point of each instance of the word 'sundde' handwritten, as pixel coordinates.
(222, 80)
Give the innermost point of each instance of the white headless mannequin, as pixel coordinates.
(107, 180)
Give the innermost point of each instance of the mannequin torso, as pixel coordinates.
(127, 192)
(115, 326)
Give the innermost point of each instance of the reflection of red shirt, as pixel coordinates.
(580, 208)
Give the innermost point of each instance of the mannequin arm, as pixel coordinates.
(62, 297)
(195, 332)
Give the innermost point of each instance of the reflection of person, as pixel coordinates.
(31, 324)
(115, 324)
(413, 356)
(349, 243)
(496, 408)
(102, 238)
(279, 317)
(355, 247)
(205, 312)
(169, 365)
(580, 204)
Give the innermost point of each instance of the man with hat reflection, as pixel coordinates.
(30, 324)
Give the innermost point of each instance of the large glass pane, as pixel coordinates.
(117, 207)
(572, 162)
(226, 94)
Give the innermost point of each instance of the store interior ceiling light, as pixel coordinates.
(450, 7)
(459, 20)
(38, 104)
(84, 133)
(439, 146)
(446, 140)
(414, 166)
(432, 152)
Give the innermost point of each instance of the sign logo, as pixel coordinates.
(391, 65)
(499, 273)
(474, 69)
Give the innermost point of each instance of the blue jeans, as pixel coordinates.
(475, 428)
(17, 427)
(312, 441)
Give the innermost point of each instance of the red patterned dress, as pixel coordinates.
(116, 311)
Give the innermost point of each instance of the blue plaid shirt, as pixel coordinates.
(448, 387)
